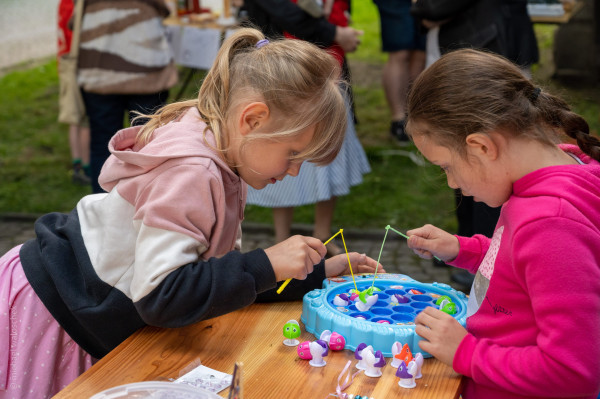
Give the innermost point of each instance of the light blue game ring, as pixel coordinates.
(320, 314)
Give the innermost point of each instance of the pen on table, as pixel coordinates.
(286, 282)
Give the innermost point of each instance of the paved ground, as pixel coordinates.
(396, 256)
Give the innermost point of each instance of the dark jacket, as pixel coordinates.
(501, 26)
(273, 17)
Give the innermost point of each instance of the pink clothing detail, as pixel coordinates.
(171, 175)
(534, 324)
(37, 357)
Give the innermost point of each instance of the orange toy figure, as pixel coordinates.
(405, 354)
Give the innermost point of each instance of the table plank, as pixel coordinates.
(254, 337)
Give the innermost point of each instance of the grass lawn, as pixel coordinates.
(35, 160)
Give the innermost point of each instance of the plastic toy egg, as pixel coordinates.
(383, 322)
(449, 308)
(335, 341)
(291, 331)
(341, 300)
(304, 350)
(442, 298)
(399, 298)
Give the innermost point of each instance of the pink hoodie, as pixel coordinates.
(534, 309)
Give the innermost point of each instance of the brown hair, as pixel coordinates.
(299, 82)
(468, 91)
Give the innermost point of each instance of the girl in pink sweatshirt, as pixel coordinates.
(533, 325)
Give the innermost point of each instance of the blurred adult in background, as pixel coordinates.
(79, 130)
(404, 42)
(502, 27)
(325, 24)
(125, 66)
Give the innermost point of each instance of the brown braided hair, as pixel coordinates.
(468, 91)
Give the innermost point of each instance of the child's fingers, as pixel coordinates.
(317, 246)
(420, 245)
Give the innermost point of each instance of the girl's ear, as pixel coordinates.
(253, 116)
(482, 145)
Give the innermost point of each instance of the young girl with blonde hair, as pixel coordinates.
(533, 325)
(162, 246)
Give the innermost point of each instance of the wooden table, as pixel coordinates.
(253, 336)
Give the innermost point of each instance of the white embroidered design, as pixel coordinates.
(484, 274)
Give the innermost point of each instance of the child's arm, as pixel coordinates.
(429, 241)
(335, 266)
(296, 257)
(540, 315)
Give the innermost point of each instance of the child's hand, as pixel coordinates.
(295, 257)
(429, 241)
(361, 263)
(441, 334)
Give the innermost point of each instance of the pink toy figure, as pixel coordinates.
(341, 300)
(407, 375)
(318, 350)
(418, 359)
(358, 354)
(373, 363)
(336, 341)
(396, 348)
(304, 350)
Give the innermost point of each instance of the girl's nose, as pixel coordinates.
(451, 183)
(294, 169)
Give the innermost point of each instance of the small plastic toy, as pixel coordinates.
(291, 331)
(445, 304)
(418, 359)
(396, 348)
(304, 350)
(373, 363)
(398, 299)
(341, 300)
(407, 374)
(449, 308)
(370, 300)
(336, 341)
(442, 300)
(318, 350)
(358, 354)
(404, 355)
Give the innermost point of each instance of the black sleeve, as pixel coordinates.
(296, 289)
(439, 10)
(274, 17)
(207, 289)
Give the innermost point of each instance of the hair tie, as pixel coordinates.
(535, 94)
(262, 43)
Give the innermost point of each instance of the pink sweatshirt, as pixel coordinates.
(534, 308)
